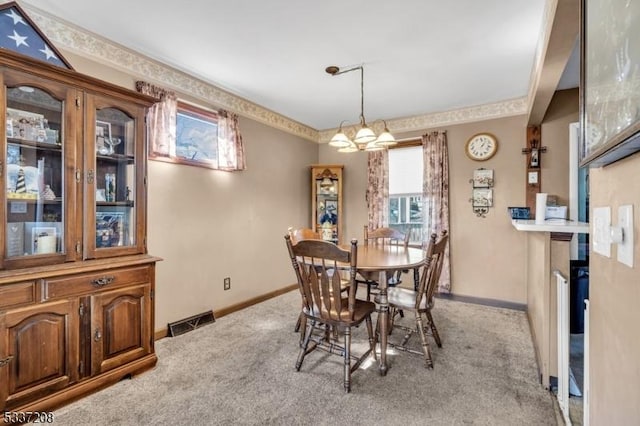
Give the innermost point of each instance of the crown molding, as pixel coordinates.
(99, 49)
(104, 51)
(459, 116)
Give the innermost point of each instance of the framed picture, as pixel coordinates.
(103, 132)
(330, 212)
(43, 239)
(196, 142)
(13, 154)
(482, 197)
(483, 178)
(111, 229)
(610, 95)
(25, 125)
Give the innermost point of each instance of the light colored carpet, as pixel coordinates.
(240, 371)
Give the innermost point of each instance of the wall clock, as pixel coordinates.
(481, 147)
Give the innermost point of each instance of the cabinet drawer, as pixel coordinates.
(17, 294)
(87, 283)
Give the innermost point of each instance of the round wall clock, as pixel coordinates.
(481, 147)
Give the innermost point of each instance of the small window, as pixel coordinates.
(196, 137)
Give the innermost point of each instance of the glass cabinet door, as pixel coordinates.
(112, 151)
(34, 173)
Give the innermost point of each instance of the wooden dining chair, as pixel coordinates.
(317, 266)
(420, 301)
(298, 234)
(383, 236)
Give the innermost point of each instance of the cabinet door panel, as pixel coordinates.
(39, 152)
(121, 327)
(43, 343)
(116, 189)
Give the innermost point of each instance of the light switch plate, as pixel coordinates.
(532, 177)
(601, 230)
(625, 248)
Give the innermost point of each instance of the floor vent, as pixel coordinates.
(185, 325)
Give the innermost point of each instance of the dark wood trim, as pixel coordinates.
(482, 301)
(160, 334)
(239, 306)
(407, 143)
(534, 140)
(561, 236)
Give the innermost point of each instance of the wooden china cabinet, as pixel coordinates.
(76, 282)
(326, 201)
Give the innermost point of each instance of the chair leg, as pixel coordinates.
(434, 330)
(372, 340)
(303, 326)
(304, 344)
(347, 359)
(368, 284)
(423, 338)
(297, 329)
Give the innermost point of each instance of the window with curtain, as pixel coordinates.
(186, 134)
(405, 191)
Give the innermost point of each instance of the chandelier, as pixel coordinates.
(365, 138)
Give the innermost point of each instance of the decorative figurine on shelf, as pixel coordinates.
(127, 193)
(110, 183)
(47, 193)
(21, 186)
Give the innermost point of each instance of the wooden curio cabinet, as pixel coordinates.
(76, 282)
(326, 201)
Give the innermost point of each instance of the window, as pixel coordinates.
(196, 137)
(405, 191)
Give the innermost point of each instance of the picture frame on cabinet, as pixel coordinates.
(111, 229)
(44, 239)
(13, 154)
(103, 132)
(329, 213)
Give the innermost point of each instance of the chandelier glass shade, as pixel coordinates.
(365, 138)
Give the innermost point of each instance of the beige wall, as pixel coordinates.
(208, 224)
(476, 254)
(482, 264)
(614, 293)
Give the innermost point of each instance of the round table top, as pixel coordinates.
(389, 257)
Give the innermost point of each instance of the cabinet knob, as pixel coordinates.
(6, 361)
(102, 281)
(97, 335)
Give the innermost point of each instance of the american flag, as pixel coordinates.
(18, 33)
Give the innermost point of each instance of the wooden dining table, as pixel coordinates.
(386, 259)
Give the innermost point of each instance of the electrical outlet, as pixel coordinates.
(227, 283)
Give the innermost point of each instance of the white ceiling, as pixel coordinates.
(419, 56)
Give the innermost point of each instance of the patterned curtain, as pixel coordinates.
(161, 120)
(230, 146)
(378, 189)
(435, 195)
